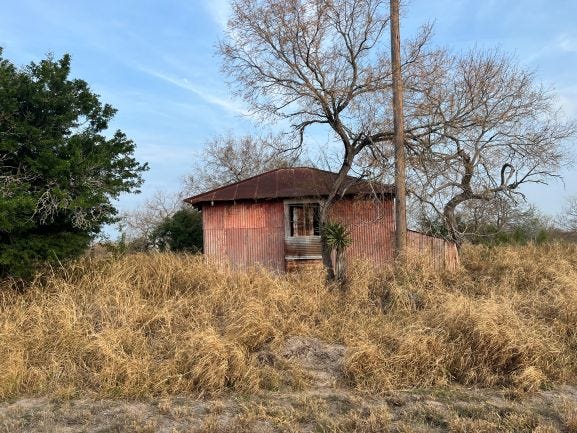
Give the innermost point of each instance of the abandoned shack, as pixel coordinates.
(273, 219)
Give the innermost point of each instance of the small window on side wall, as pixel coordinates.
(304, 219)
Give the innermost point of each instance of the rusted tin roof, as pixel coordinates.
(288, 183)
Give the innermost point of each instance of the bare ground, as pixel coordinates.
(321, 410)
(327, 405)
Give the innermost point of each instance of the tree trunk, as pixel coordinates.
(400, 180)
(340, 271)
(325, 248)
(451, 223)
(326, 251)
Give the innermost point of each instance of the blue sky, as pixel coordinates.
(155, 62)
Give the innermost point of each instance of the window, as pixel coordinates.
(304, 219)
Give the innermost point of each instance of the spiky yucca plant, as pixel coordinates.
(338, 238)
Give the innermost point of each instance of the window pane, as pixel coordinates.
(304, 219)
(317, 220)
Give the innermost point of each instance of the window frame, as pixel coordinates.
(291, 204)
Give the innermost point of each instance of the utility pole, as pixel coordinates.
(400, 176)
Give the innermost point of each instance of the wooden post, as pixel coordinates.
(400, 177)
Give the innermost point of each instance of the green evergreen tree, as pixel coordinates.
(180, 232)
(59, 170)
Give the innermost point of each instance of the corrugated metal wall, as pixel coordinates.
(245, 233)
(306, 247)
(372, 227)
(371, 224)
(248, 233)
(440, 253)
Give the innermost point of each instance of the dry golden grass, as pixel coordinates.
(162, 324)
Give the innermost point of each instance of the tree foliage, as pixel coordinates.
(338, 238)
(59, 171)
(180, 232)
(162, 223)
(139, 225)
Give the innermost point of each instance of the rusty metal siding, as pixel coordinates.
(245, 233)
(371, 224)
(306, 246)
(442, 254)
(248, 233)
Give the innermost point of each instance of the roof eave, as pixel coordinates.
(198, 203)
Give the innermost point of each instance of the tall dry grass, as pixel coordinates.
(158, 324)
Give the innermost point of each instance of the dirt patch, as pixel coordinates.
(330, 410)
(322, 361)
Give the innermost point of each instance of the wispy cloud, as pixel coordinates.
(184, 83)
(155, 150)
(487, 8)
(219, 10)
(567, 101)
(567, 43)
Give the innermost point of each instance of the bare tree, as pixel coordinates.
(317, 62)
(139, 224)
(480, 128)
(223, 160)
(477, 126)
(499, 220)
(568, 218)
(227, 159)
